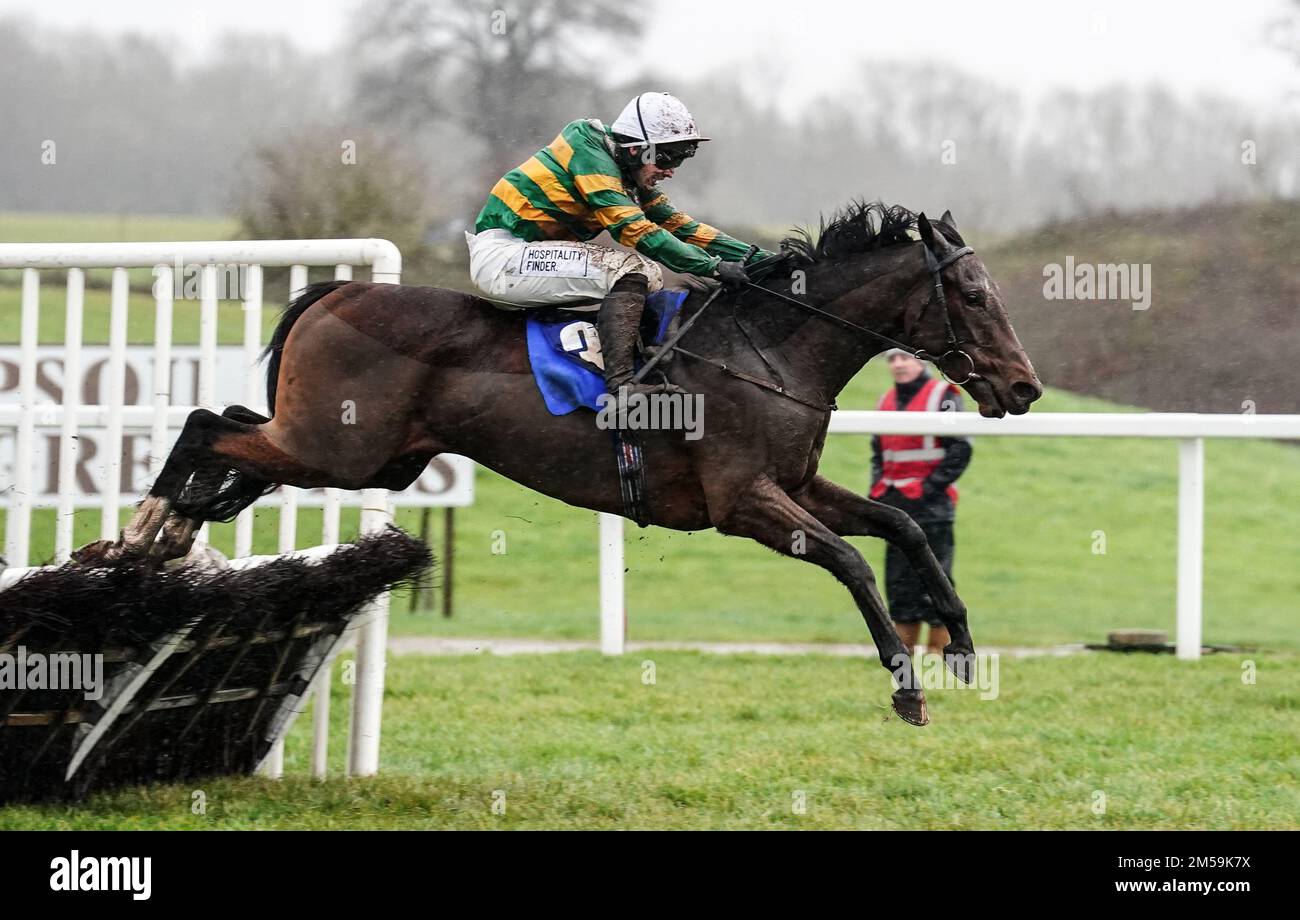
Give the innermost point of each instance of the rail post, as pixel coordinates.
(1191, 539)
(613, 625)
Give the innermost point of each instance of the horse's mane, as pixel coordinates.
(856, 228)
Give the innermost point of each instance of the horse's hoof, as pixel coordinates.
(961, 661)
(910, 706)
(105, 553)
(101, 552)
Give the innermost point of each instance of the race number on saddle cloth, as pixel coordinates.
(910, 458)
(565, 353)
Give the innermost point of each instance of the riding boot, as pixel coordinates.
(618, 324)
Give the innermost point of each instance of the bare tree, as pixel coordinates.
(506, 75)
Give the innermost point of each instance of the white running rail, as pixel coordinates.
(1189, 429)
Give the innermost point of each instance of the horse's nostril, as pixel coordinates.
(1025, 392)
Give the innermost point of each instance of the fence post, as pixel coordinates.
(110, 519)
(1191, 532)
(69, 444)
(372, 649)
(18, 522)
(612, 624)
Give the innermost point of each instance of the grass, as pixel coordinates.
(579, 741)
(54, 227)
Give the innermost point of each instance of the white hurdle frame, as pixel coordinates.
(385, 262)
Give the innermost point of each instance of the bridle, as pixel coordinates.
(935, 266)
(953, 342)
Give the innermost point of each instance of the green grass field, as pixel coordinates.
(48, 227)
(578, 741)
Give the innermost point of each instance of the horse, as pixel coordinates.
(366, 383)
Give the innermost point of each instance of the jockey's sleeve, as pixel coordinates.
(598, 183)
(689, 230)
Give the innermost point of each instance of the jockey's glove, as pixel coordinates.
(732, 274)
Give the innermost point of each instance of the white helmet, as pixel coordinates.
(659, 118)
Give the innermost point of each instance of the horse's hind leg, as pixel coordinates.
(767, 514)
(849, 514)
(179, 531)
(235, 455)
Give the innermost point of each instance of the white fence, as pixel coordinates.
(448, 480)
(207, 263)
(1190, 430)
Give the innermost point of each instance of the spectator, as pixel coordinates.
(915, 473)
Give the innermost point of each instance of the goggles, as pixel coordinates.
(670, 156)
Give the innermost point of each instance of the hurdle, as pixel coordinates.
(162, 417)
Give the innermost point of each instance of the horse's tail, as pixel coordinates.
(296, 308)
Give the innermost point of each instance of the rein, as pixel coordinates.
(953, 343)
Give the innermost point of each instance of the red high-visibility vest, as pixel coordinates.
(910, 458)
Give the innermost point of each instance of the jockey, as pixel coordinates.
(529, 247)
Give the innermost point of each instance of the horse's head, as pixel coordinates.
(968, 335)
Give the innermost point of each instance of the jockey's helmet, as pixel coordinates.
(662, 122)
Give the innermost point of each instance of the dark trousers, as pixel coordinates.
(909, 602)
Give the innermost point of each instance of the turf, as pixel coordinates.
(581, 741)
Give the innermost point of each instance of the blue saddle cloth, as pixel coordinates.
(560, 351)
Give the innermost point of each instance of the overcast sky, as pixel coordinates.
(803, 47)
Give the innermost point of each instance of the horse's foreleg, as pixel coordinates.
(176, 539)
(849, 514)
(768, 515)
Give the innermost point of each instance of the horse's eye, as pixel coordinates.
(974, 298)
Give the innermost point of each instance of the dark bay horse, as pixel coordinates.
(368, 382)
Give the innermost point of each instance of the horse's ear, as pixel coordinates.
(949, 230)
(923, 227)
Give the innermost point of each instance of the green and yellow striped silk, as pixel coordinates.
(572, 189)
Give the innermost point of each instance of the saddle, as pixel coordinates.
(564, 349)
(564, 352)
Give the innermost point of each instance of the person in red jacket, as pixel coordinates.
(915, 473)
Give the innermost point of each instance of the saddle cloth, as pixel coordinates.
(564, 352)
